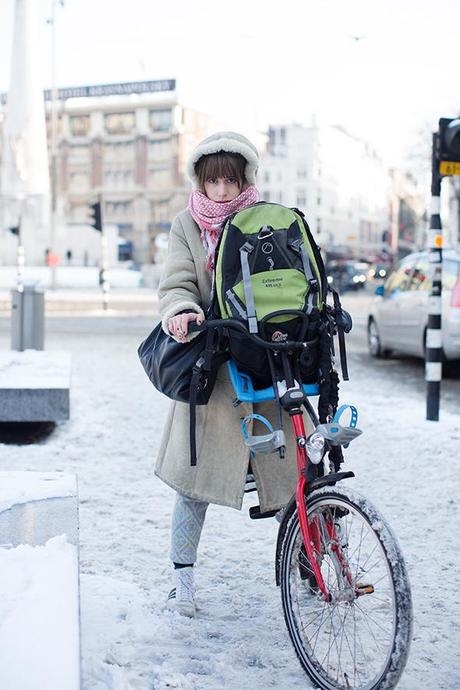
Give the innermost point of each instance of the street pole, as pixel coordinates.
(104, 263)
(53, 148)
(20, 260)
(433, 348)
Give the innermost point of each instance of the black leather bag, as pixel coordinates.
(185, 372)
(170, 365)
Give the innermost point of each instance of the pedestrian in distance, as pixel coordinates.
(222, 169)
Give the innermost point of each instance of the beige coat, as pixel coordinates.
(222, 464)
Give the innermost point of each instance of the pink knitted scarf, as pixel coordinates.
(211, 215)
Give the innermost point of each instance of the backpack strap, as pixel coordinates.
(230, 295)
(298, 246)
(245, 250)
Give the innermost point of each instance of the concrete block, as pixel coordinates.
(39, 581)
(34, 386)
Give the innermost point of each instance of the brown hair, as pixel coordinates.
(221, 164)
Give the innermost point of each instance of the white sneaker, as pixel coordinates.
(182, 597)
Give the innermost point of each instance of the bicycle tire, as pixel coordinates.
(379, 663)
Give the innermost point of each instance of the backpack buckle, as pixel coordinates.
(264, 232)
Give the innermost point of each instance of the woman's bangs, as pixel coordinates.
(221, 164)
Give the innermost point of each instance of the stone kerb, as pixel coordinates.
(39, 581)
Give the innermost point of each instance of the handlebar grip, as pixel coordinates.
(193, 327)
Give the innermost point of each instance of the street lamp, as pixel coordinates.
(53, 142)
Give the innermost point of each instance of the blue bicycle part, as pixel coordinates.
(264, 444)
(354, 417)
(244, 389)
(337, 434)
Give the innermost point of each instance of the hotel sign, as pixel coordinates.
(121, 89)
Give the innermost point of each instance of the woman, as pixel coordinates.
(222, 170)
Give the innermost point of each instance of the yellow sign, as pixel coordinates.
(449, 168)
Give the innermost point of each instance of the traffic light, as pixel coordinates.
(449, 146)
(15, 230)
(95, 214)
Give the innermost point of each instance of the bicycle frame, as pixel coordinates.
(296, 414)
(301, 492)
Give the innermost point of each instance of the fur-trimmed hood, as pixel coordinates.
(231, 142)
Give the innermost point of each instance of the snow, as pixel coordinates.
(24, 486)
(34, 369)
(39, 642)
(405, 465)
(70, 276)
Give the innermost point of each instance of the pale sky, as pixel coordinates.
(252, 63)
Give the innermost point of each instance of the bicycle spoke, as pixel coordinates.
(347, 642)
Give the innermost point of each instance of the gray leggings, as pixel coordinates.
(187, 523)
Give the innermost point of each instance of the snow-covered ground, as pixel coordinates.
(409, 467)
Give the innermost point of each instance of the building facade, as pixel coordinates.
(337, 180)
(129, 151)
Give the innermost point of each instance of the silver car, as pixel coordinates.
(398, 315)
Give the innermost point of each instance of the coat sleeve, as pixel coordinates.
(178, 290)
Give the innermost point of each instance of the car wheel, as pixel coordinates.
(374, 342)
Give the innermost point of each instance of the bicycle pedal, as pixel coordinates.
(266, 443)
(255, 514)
(336, 434)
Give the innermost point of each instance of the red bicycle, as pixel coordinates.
(344, 586)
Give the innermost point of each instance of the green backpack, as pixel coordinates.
(267, 261)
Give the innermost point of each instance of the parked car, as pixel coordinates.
(378, 272)
(398, 315)
(347, 275)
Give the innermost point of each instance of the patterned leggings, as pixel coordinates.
(187, 523)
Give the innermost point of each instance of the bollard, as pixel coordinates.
(28, 319)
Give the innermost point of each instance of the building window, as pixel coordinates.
(119, 152)
(160, 120)
(318, 201)
(266, 196)
(119, 123)
(301, 173)
(78, 154)
(301, 200)
(266, 176)
(78, 182)
(159, 177)
(79, 125)
(118, 209)
(118, 179)
(160, 150)
(318, 225)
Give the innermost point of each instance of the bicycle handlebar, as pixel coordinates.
(234, 324)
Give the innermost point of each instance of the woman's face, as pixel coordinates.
(222, 189)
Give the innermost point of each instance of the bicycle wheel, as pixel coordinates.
(360, 640)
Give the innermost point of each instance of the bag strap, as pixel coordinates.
(246, 249)
(202, 365)
(341, 333)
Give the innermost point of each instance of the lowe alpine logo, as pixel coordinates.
(267, 247)
(279, 337)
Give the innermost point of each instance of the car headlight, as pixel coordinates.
(356, 279)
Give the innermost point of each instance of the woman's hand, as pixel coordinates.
(178, 325)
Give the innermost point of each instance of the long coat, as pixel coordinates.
(219, 476)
